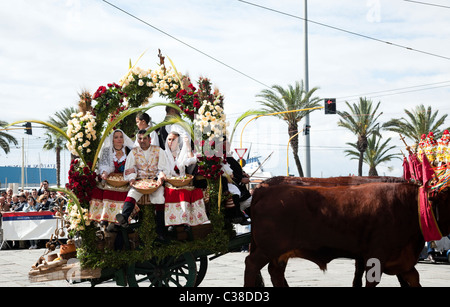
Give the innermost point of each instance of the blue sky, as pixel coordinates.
(51, 50)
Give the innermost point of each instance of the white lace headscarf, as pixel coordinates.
(106, 160)
(181, 151)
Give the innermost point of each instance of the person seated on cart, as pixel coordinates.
(145, 162)
(234, 182)
(144, 122)
(184, 205)
(163, 132)
(107, 200)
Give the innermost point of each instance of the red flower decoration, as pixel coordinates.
(82, 181)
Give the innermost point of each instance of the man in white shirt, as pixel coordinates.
(143, 122)
(165, 130)
(143, 162)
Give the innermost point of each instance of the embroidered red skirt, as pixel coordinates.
(107, 203)
(184, 206)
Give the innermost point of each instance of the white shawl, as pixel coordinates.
(106, 160)
(181, 159)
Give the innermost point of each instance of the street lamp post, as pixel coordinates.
(306, 81)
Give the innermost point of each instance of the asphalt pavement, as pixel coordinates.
(228, 271)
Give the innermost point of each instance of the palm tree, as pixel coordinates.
(420, 121)
(54, 141)
(375, 153)
(6, 138)
(292, 98)
(362, 121)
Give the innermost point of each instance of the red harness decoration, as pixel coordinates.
(427, 221)
(422, 173)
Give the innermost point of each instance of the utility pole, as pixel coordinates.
(23, 166)
(306, 83)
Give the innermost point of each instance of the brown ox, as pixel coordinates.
(374, 220)
(330, 182)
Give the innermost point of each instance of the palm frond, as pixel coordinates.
(179, 76)
(73, 197)
(244, 116)
(55, 129)
(418, 121)
(6, 138)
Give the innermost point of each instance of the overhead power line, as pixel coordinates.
(402, 90)
(346, 31)
(386, 92)
(396, 91)
(430, 4)
(184, 43)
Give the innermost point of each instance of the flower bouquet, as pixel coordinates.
(82, 133)
(140, 84)
(82, 181)
(110, 101)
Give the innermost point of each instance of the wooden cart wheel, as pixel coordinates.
(202, 266)
(169, 272)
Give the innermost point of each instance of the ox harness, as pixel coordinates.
(422, 173)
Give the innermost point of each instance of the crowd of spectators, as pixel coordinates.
(32, 200)
(41, 199)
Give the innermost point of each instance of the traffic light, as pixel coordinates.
(306, 129)
(330, 105)
(28, 128)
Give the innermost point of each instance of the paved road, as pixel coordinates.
(228, 271)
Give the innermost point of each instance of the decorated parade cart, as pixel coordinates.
(92, 253)
(134, 254)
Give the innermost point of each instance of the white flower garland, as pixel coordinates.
(74, 218)
(211, 119)
(80, 130)
(162, 80)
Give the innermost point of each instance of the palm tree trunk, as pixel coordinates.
(360, 162)
(293, 130)
(373, 171)
(361, 145)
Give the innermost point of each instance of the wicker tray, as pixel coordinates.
(113, 179)
(177, 182)
(149, 190)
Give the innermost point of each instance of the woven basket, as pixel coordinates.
(180, 182)
(145, 191)
(116, 183)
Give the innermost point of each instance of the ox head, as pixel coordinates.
(441, 207)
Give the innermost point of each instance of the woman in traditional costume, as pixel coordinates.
(107, 200)
(183, 205)
(114, 153)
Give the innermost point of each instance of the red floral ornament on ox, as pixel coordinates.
(427, 221)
